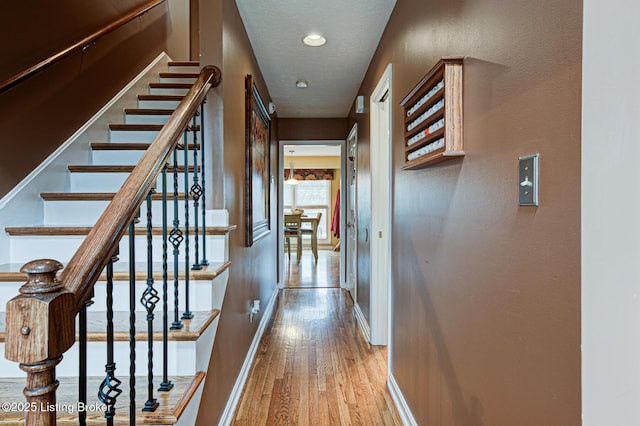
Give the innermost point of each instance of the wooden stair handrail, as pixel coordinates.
(87, 41)
(96, 250)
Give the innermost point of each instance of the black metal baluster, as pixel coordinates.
(195, 193)
(187, 313)
(149, 300)
(166, 385)
(175, 237)
(82, 376)
(132, 319)
(109, 388)
(204, 261)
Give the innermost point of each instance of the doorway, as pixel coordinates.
(351, 218)
(313, 190)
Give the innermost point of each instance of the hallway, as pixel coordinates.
(314, 367)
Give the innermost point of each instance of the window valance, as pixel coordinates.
(310, 174)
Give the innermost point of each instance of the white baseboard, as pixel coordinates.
(401, 404)
(234, 398)
(362, 322)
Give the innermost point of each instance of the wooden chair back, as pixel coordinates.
(292, 223)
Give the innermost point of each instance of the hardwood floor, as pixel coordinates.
(308, 273)
(314, 367)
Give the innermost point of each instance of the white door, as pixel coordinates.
(352, 228)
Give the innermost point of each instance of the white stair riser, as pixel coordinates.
(153, 104)
(184, 68)
(145, 119)
(167, 91)
(26, 249)
(181, 360)
(112, 158)
(112, 182)
(139, 136)
(70, 213)
(177, 80)
(126, 157)
(201, 294)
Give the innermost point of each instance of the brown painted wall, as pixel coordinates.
(313, 128)
(486, 294)
(252, 274)
(41, 113)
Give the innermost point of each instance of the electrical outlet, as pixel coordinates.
(254, 309)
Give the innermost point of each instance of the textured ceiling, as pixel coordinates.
(352, 28)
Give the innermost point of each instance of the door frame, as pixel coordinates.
(348, 256)
(280, 184)
(381, 176)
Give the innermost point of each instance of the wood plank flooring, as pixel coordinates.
(314, 367)
(308, 273)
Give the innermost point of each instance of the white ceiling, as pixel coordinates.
(334, 71)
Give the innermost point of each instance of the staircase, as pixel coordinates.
(67, 218)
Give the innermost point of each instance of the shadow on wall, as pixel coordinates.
(429, 352)
(66, 94)
(484, 80)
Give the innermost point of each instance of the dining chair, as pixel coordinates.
(292, 229)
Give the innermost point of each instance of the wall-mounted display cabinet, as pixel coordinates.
(433, 116)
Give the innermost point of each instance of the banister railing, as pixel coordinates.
(40, 323)
(79, 45)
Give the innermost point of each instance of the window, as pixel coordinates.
(312, 196)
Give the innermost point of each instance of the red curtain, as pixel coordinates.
(335, 223)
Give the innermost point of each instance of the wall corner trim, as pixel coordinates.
(238, 387)
(401, 404)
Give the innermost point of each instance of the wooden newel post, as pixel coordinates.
(40, 328)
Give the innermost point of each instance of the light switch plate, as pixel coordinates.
(528, 180)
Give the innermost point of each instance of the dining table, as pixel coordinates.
(314, 220)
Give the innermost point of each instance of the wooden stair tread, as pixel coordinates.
(184, 63)
(179, 75)
(160, 97)
(158, 85)
(190, 332)
(129, 146)
(96, 196)
(140, 127)
(26, 231)
(92, 168)
(207, 273)
(148, 111)
(172, 403)
(10, 272)
(96, 326)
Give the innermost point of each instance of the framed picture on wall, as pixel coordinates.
(257, 182)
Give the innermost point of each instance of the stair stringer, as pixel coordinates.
(23, 206)
(215, 218)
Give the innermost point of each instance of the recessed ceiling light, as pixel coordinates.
(302, 83)
(314, 40)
